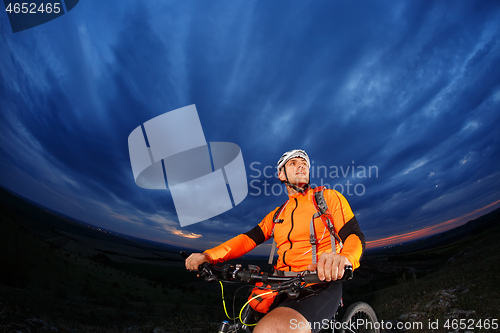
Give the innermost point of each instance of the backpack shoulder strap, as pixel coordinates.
(276, 219)
(278, 213)
(326, 216)
(319, 200)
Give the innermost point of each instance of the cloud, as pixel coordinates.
(405, 87)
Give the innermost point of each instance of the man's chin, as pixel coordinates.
(302, 180)
(302, 184)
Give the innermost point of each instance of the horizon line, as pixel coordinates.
(426, 232)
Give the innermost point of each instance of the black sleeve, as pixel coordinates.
(256, 235)
(352, 227)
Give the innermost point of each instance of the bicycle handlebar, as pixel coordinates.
(231, 272)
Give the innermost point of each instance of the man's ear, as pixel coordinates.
(281, 175)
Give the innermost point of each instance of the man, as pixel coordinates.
(291, 231)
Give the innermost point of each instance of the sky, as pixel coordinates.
(396, 102)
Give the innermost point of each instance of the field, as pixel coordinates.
(47, 287)
(61, 276)
(442, 282)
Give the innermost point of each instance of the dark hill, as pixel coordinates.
(463, 285)
(49, 284)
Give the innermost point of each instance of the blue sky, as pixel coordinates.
(407, 89)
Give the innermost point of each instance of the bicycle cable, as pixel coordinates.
(244, 305)
(248, 302)
(235, 296)
(224, 301)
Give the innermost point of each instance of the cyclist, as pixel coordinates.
(293, 230)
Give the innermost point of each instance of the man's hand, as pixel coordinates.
(195, 260)
(330, 266)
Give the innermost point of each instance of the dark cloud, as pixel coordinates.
(407, 88)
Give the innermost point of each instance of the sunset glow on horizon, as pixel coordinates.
(427, 232)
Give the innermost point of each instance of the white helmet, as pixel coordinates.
(291, 154)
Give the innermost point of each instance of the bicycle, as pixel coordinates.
(359, 317)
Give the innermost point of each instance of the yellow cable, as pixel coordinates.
(224, 302)
(244, 305)
(251, 299)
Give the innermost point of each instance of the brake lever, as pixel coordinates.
(207, 272)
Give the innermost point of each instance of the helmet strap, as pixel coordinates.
(295, 187)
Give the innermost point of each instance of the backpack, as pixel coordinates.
(324, 213)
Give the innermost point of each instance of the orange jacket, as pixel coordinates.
(292, 235)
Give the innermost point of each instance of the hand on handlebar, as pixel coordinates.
(195, 260)
(330, 266)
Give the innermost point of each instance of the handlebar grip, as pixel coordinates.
(347, 273)
(203, 269)
(313, 278)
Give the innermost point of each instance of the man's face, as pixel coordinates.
(296, 170)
